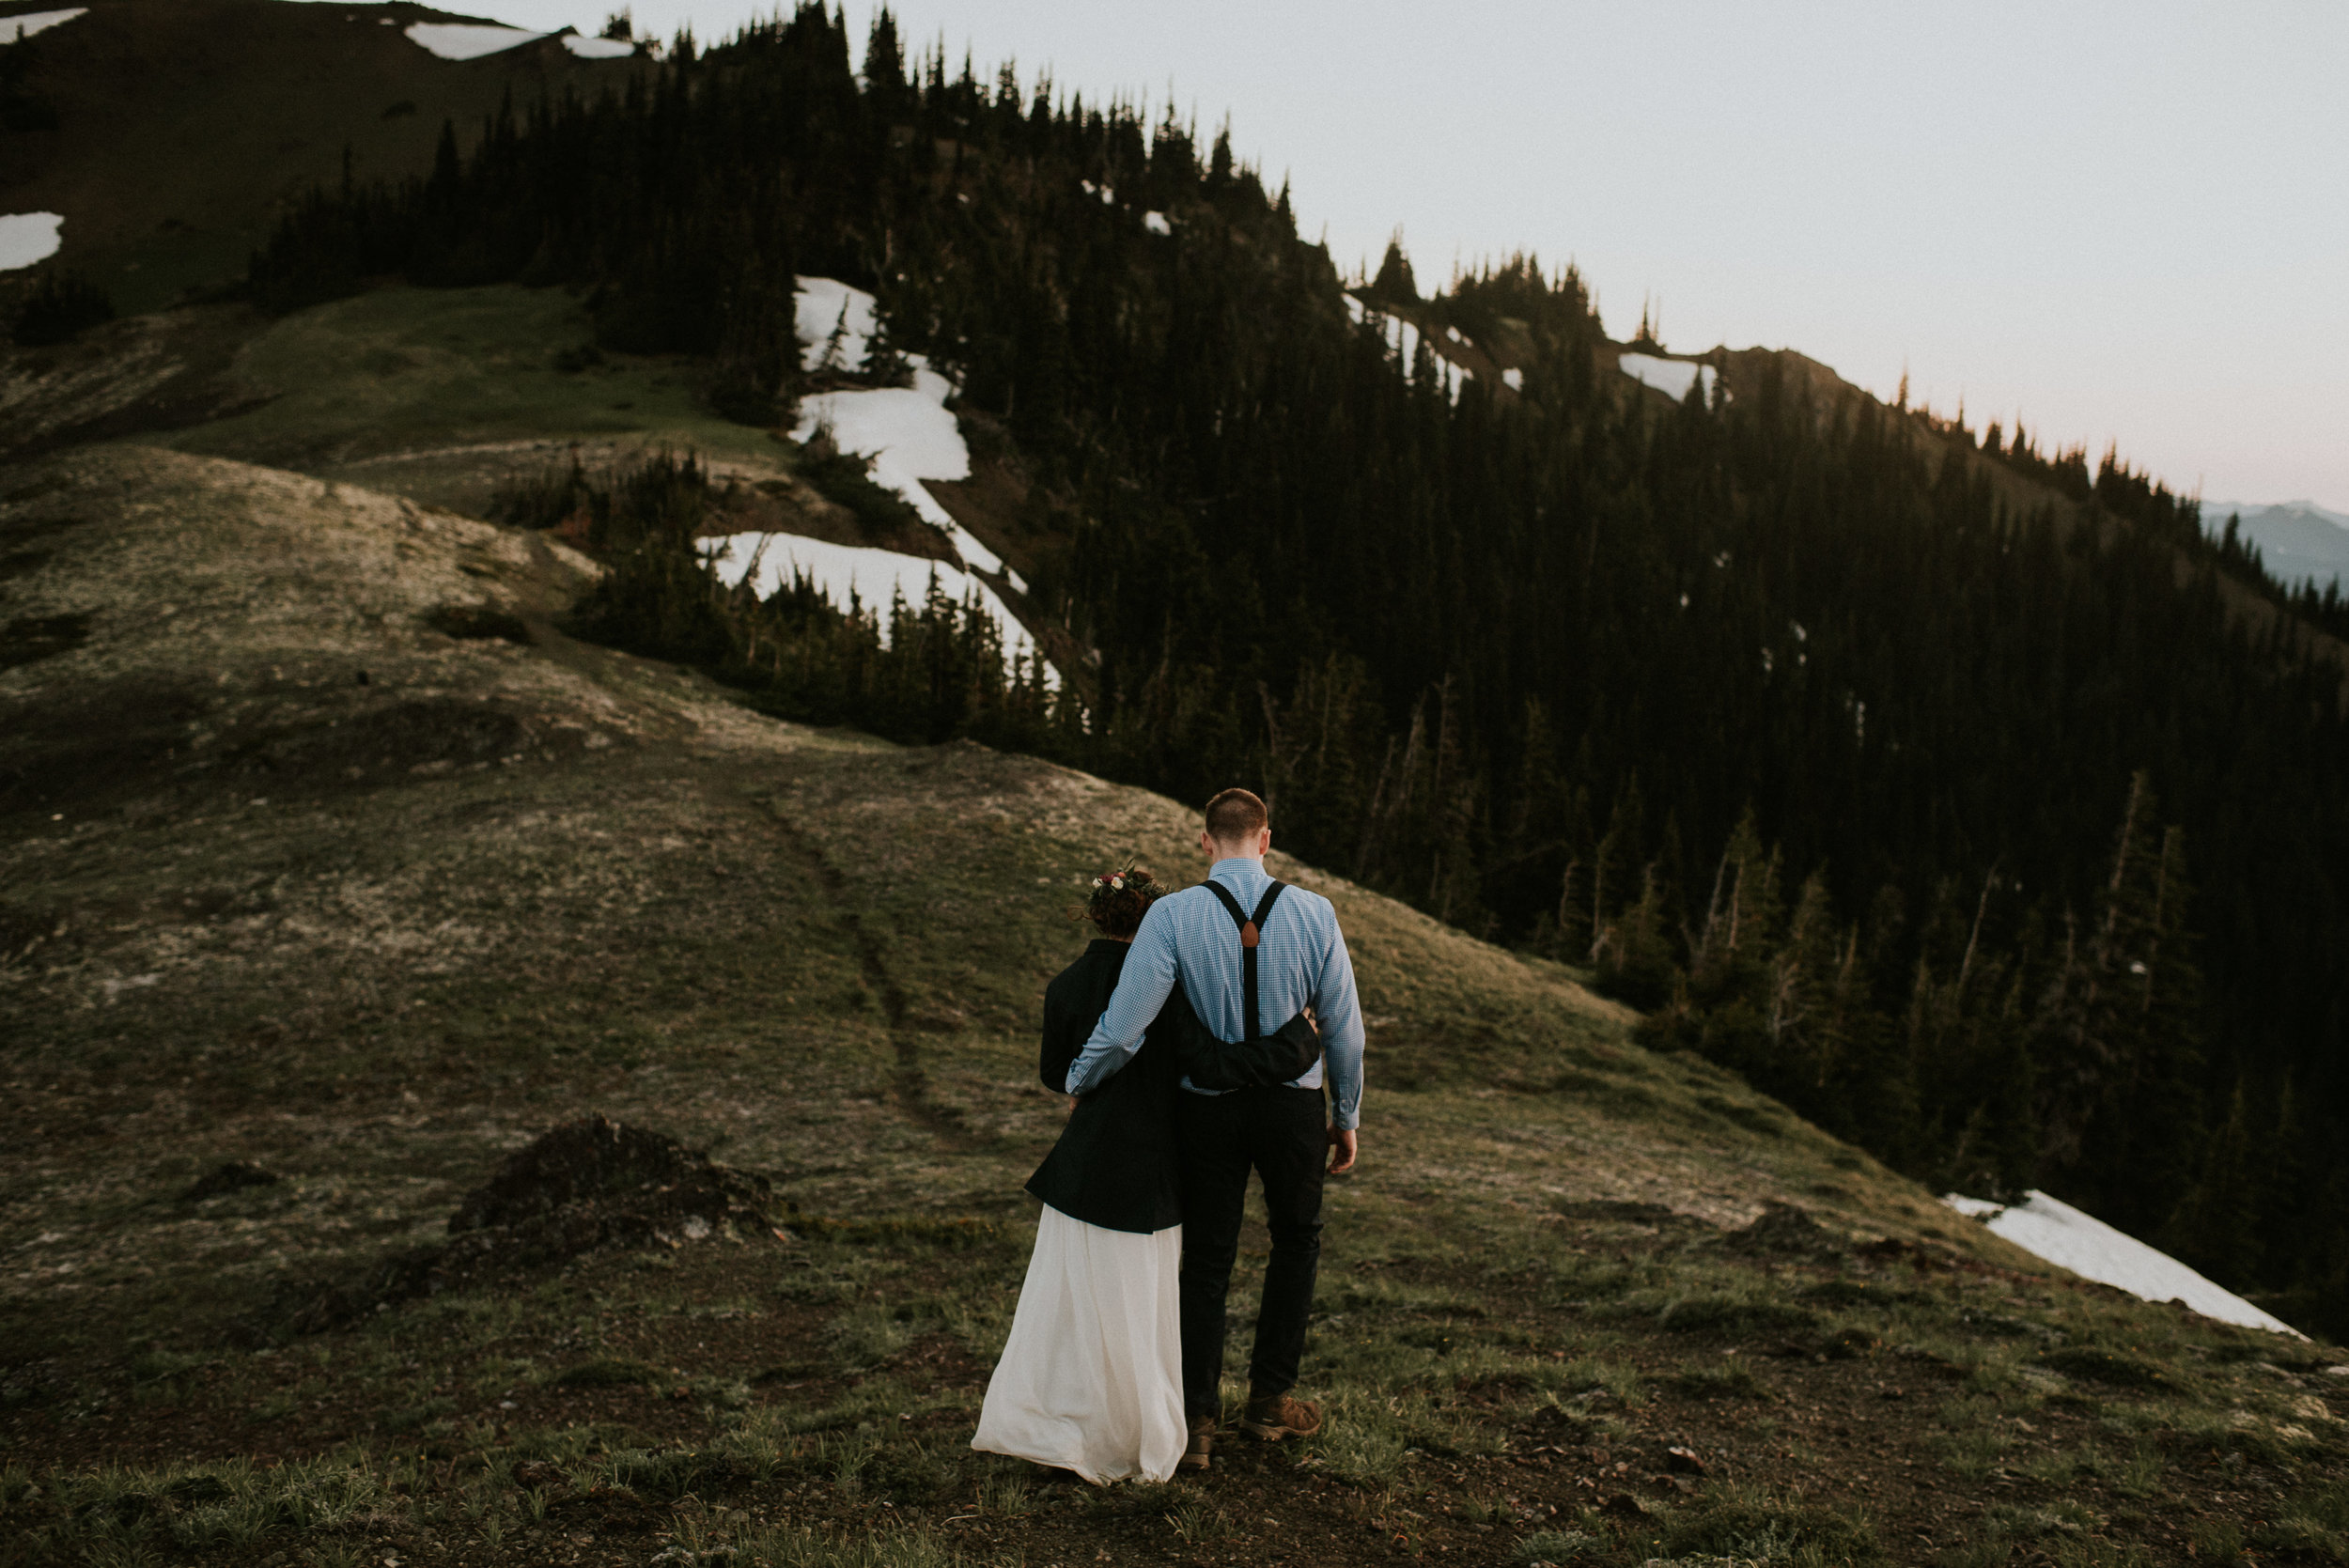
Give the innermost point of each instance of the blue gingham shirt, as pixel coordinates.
(1300, 960)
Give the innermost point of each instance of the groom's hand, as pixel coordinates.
(1341, 1150)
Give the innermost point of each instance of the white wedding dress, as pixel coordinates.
(1092, 1375)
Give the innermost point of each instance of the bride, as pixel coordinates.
(1091, 1376)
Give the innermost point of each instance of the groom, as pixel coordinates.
(1249, 950)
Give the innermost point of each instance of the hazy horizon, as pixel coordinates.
(2116, 234)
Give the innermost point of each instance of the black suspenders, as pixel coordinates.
(1248, 931)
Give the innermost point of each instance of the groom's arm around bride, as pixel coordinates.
(1245, 950)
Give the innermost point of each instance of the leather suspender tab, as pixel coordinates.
(1250, 931)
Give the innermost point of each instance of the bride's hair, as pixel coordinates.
(1120, 898)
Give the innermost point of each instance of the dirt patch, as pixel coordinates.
(417, 735)
(234, 1176)
(475, 623)
(51, 753)
(593, 1182)
(1786, 1228)
(585, 1186)
(30, 639)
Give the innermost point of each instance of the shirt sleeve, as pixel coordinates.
(1143, 987)
(1340, 1012)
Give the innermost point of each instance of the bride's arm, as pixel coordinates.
(1143, 987)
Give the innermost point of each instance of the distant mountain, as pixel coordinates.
(2300, 541)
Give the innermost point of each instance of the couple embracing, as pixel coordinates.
(1115, 1364)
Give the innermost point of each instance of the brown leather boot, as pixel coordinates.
(1273, 1417)
(1202, 1444)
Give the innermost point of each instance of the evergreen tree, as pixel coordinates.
(1393, 284)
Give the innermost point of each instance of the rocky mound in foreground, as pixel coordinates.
(585, 1186)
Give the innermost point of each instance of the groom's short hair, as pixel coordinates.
(1234, 816)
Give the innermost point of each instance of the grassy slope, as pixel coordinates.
(439, 393)
(371, 936)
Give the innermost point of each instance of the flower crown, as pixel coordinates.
(1113, 886)
(1118, 877)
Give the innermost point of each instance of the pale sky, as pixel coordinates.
(2123, 222)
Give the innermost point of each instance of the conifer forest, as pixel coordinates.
(1964, 796)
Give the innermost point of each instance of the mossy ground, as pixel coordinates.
(371, 936)
(439, 394)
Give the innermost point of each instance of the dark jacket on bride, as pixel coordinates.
(1114, 1165)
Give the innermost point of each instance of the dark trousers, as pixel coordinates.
(1281, 1135)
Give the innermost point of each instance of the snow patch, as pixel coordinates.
(827, 305)
(28, 237)
(1670, 376)
(1109, 197)
(910, 437)
(13, 28)
(1404, 338)
(1512, 378)
(1156, 223)
(599, 48)
(467, 40)
(907, 431)
(873, 578)
(904, 429)
(2055, 1231)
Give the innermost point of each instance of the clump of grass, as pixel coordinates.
(1730, 1316)
(2218, 1541)
(1360, 1441)
(1554, 1547)
(800, 1546)
(2312, 1523)
(138, 1516)
(869, 1335)
(2037, 1521)
(1196, 1521)
(1845, 1290)
(2099, 1364)
(1748, 1524)
(1006, 1493)
(847, 1458)
(914, 1472)
(607, 1373)
(2134, 1473)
